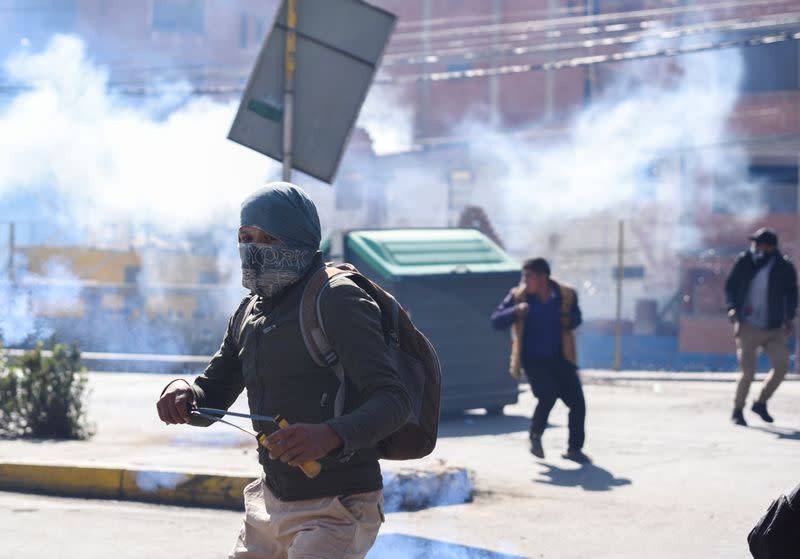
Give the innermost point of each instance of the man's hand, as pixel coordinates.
(174, 404)
(788, 328)
(522, 309)
(302, 443)
(733, 316)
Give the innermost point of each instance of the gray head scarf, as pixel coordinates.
(287, 213)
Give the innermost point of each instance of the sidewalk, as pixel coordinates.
(589, 375)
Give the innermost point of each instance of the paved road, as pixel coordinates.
(672, 478)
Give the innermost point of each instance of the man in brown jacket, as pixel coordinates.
(287, 514)
(544, 315)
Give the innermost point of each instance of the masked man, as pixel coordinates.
(289, 515)
(761, 293)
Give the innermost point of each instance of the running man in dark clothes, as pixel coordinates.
(543, 315)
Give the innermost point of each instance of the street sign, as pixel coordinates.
(339, 44)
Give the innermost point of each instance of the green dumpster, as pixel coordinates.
(450, 280)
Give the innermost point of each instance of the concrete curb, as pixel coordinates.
(662, 376)
(168, 487)
(406, 489)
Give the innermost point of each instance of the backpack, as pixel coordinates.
(413, 356)
(777, 534)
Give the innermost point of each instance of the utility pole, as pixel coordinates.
(550, 76)
(288, 87)
(424, 84)
(620, 276)
(11, 248)
(495, 116)
(591, 70)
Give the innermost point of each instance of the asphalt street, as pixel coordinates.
(671, 478)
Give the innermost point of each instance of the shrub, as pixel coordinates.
(43, 395)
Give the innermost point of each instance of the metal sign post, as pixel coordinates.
(620, 277)
(288, 90)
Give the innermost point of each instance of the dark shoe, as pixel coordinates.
(576, 455)
(760, 408)
(738, 418)
(536, 446)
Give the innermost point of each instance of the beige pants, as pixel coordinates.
(749, 339)
(328, 528)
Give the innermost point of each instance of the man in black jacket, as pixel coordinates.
(761, 293)
(288, 515)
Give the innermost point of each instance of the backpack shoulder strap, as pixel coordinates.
(311, 325)
(240, 318)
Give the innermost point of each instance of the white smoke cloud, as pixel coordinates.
(53, 292)
(657, 111)
(388, 120)
(110, 161)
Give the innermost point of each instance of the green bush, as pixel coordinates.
(43, 395)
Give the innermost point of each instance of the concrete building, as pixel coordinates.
(210, 43)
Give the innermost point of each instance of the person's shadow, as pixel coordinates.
(588, 476)
(469, 425)
(779, 432)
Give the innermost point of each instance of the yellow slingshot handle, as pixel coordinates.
(311, 469)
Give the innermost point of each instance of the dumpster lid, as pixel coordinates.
(421, 252)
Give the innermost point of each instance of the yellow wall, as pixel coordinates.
(84, 266)
(103, 266)
(107, 266)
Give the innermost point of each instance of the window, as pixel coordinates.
(243, 30)
(773, 67)
(180, 16)
(261, 29)
(778, 185)
(350, 192)
(460, 191)
(208, 277)
(772, 188)
(132, 274)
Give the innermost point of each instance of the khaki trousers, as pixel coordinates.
(749, 339)
(329, 528)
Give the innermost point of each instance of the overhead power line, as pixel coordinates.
(575, 62)
(590, 60)
(510, 49)
(592, 20)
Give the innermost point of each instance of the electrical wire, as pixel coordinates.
(506, 49)
(589, 60)
(544, 24)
